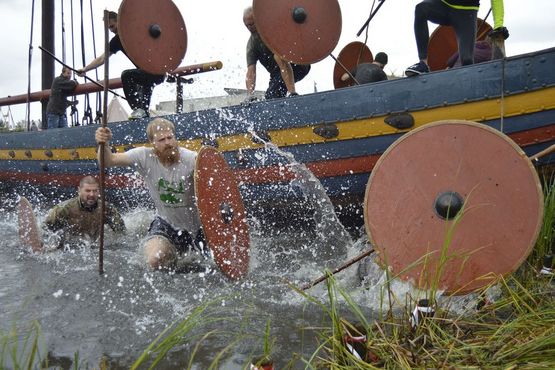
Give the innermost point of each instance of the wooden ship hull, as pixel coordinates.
(339, 135)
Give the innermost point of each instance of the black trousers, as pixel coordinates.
(462, 21)
(138, 86)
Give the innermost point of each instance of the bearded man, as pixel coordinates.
(168, 172)
(79, 218)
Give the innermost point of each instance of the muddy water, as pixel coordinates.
(116, 315)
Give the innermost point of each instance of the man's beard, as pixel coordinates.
(168, 156)
(89, 203)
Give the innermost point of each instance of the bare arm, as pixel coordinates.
(250, 80)
(286, 73)
(97, 62)
(104, 135)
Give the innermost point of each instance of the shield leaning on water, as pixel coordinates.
(222, 213)
(349, 57)
(453, 205)
(153, 34)
(29, 235)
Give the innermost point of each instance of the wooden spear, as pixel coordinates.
(340, 268)
(102, 146)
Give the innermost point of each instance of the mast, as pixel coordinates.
(47, 62)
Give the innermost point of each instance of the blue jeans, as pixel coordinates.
(56, 120)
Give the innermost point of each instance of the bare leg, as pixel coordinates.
(160, 254)
(286, 73)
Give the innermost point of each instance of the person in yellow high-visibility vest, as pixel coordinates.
(459, 14)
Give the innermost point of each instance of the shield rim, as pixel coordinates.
(224, 267)
(29, 235)
(443, 39)
(280, 45)
(134, 43)
(461, 290)
(338, 70)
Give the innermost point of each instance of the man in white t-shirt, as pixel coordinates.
(168, 171)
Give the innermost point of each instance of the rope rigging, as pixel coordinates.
(74, 112)
(63, 29)
(28, 107)
(87, 115)
(64, 49)
(98, 117)
(366, 33)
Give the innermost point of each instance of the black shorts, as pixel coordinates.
(181, 239)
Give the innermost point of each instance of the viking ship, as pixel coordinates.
(338, 135)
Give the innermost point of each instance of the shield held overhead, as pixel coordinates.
(222, 213)
(299, 31)
(153, 34)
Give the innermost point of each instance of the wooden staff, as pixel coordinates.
(340, 268)
(102, 145)
(370, 18)
(86, 78)
(345, 69)
(543, 153)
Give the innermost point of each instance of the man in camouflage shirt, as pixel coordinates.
(80, 217)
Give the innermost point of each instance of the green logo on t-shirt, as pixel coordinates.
(169, 190)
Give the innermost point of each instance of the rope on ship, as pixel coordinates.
(28, 106)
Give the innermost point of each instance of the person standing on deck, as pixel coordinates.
(62, 87)
(283, 74)
(80, 217)
(168, 172)
(461, 15)
(137, 84)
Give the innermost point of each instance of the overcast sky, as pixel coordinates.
(216, 32)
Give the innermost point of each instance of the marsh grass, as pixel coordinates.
(544, 244)
(20, 350)
(517, 330)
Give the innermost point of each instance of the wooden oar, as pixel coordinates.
(345, 69)
(102, 145)
(86, 78)
(370, 18)
(340, 268)
(543, 153)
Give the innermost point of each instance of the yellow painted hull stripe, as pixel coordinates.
(483, 110)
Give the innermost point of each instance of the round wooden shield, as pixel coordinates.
(443, 44)
(453, 205)
(350, 56)
(222, 213)
(300, 31)
(153, 34)
(29, 235)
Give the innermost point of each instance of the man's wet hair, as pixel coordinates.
(112, 16)
(89, 180)
(247, 10)
(156, 125)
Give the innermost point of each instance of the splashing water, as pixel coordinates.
(116, 315)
